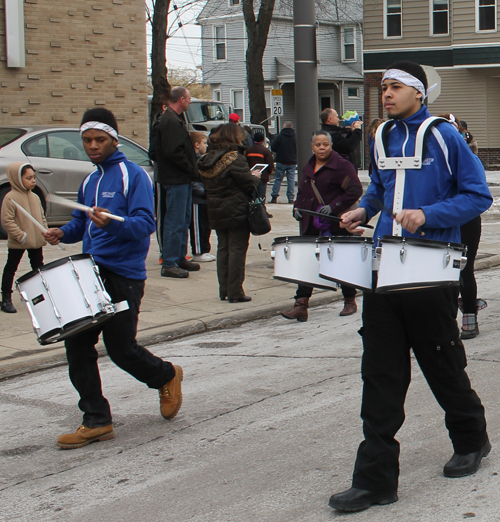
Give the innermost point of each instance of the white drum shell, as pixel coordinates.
(297, 261)
(348, 263)
(64, 295)
(423, 266)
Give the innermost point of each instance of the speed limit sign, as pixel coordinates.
(277, 102)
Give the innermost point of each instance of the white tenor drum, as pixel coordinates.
(347, 260)
(296, 260)
(408, 263)
(65, 297)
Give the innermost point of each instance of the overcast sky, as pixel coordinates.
(184, 46)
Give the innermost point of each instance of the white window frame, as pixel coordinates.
(478, 7)
(352, 87)
(344, 59)
(386, 25)
(234, 3)
(217, 95)
(214, 34)
(431, 19)
(235, 109)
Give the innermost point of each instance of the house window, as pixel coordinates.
(234, 2)
(393, 18)
(353, 92)
(440, 16)
(348, 44)
(486, 15)
(237, 98)
(220, 42)
(217, 96)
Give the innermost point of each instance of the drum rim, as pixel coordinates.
(346, 239)
(294, 239)
(423, 285)
(52, 264)
(304, 283)
(432, 243)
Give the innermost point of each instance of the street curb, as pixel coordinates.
(162, 334)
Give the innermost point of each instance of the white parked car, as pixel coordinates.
(60, 162)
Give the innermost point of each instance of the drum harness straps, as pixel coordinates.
(401, 164)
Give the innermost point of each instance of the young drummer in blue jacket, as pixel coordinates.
(120, 187)
(450, 189)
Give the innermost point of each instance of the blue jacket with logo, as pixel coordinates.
(450, 187)
(125, 189)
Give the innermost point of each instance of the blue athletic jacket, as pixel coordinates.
(450, 187)
(125, 189)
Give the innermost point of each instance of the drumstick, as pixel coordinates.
(34, 221)
(78, 206)
(389, 211)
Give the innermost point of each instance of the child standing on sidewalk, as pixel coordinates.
(199, 230)
(22, 233)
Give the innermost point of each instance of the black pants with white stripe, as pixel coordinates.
(199, 230)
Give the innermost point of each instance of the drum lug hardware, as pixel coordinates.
(402, 254)
(364, 253)
(273, 254)
(463, 262)
(330, 252)
(317, 251)
(286, 251)
(446, 259)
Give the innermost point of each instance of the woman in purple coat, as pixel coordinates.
(329, 185)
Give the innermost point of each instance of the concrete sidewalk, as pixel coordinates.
(173, 308)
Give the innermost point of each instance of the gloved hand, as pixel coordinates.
(297, 215)
(326, 210)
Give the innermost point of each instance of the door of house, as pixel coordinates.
(325, 100)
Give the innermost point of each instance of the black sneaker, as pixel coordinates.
(174, 271)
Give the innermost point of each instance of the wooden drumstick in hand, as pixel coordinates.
(34, 221)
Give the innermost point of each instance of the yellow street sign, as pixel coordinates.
(277, 92)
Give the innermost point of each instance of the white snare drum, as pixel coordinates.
(347, 260)
(408, 263)
(65, 297)
(296, 260)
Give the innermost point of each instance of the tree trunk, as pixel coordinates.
(159, 55)
(257, 31)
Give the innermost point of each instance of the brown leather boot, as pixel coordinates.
(171, 395)
(299, 311)
(84, 436)
(350, 306)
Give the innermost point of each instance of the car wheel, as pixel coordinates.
(3, 192)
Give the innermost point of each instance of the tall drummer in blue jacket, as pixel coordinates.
(450, 189)
(122, 188)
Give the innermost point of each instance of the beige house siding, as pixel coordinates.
(79, 55)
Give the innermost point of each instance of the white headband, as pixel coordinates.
(406, 78)
(99, 126)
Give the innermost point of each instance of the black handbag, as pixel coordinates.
(257, 216)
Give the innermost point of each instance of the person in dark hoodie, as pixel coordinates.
(230, 186)
(285, 147)
(119, 249)
(160, 195)
(344, 140)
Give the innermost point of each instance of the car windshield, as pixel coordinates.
(8, 135)
(201, 111)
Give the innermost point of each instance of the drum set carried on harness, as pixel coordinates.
(394, 264)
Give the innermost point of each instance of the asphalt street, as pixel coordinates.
(267, 432)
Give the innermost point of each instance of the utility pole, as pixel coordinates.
(306, 77)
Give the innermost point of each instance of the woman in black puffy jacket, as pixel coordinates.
(230, 185)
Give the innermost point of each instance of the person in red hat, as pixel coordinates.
(235, 118)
